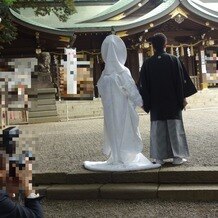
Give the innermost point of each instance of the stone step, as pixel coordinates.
(42, 91)
(47, 90)
(35, 108)
(41, 114)
(46, 96)
(43, 105)
(44, 102)
(43, 119)
(172, 175)
(196, 192)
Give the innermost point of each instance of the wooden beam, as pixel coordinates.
(174, 34)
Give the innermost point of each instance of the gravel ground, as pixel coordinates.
(63, 146)
(130, 209)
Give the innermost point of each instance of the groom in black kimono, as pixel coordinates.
(164, 86)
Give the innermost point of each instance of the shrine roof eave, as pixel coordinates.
(114, 10)
(201, 10)
(159, 12)
(121, 25)
(19, 19)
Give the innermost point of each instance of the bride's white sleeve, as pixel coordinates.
(129, 87)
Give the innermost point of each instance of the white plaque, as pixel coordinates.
(71, 70)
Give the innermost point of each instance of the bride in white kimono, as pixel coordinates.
(120, 96)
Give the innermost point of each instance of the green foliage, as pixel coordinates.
(7, 29)
(8, 2)
(61, 8)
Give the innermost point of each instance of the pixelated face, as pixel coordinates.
(25, 175)
(3, 171)
(13, 95)
(2, 177)
(14, 81)
(23, 179)
(16, 164)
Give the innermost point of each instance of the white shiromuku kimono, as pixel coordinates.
(120, 96)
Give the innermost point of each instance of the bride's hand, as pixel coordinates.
(185, 103)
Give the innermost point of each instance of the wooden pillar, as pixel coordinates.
(133, 63)
(4, 104)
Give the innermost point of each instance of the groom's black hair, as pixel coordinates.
(158, 41)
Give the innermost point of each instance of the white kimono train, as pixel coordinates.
(119, 95)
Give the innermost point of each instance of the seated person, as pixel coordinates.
(16, 180)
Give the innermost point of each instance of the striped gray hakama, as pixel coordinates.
(168, 139)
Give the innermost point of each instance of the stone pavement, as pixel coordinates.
(129, 209)
(63, 146)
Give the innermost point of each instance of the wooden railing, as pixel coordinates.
(196, 81)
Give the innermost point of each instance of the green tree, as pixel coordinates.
(7, 29)
(61, 8)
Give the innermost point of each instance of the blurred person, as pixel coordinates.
(164, 86)
(17, 198)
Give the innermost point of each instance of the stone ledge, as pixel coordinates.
(202, 192)
(189, 175)
(43, 119)
(46, 90)
(88, 178)
(160, 176)
(41, 114)
(137, 176)
(196, 192)
(72, 192)
(49, 178)
(129, 191)
(82, 108)
(42, 108)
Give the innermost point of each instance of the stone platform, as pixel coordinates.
(62, 147)
(68, 110)
(192, 183)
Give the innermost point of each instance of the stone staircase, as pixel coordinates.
(43, 106)
(178, 183)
